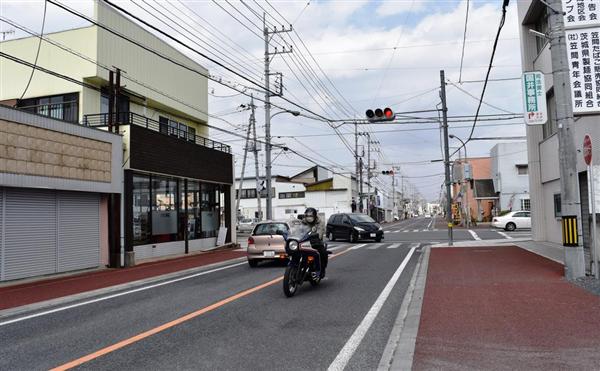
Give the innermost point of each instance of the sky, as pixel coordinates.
(348, 56)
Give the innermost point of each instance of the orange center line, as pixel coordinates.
(175, 322)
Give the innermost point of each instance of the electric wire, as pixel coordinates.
(37, 54)
(462, 55)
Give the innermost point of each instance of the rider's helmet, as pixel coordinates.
(310, 215)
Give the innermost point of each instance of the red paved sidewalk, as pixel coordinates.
(504, 308)
(33, 292)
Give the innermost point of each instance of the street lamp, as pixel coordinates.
(468, 221)
(268, 160)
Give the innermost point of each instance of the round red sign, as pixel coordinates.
(587, 149)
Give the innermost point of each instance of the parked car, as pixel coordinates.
(353, 227)
(266, 241)
(513, 220)
(246, 225)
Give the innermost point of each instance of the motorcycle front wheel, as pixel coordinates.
(289, 281)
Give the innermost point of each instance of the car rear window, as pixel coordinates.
(361, 218)
(270, 229)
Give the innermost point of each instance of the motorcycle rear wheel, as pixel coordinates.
(290, 286)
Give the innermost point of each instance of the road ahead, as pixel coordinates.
(236, 317)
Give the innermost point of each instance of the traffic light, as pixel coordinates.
(379, 114)
(387, 172)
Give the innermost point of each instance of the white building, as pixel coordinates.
(510, 176)
(542, 140)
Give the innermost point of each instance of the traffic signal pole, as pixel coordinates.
(446, 157)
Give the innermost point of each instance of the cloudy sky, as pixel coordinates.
(348, 56)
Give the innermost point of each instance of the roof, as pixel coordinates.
(484, 188)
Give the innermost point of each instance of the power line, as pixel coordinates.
(37, 54)
(462, 55)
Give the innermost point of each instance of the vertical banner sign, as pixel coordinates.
(534, 98)
(582, 24)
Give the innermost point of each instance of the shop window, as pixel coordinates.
(141, 209)
(209, 210)
(557, 205)
(193, 223)
(164, 209)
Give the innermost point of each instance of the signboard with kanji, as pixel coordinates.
(534, 98)
(583, 51)
(581, 13)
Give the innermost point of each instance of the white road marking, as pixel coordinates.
(60, 309)
(504, 235)
(415, 230)
(394, 246)
(357, 246)
(375, 246)
(344, 356)
(475, 236)
(414, 245)
(405, 231)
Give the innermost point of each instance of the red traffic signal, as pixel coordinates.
(387, 172)
(379, 114)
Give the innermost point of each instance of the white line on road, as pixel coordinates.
(343, 357)
(504, 235)
(405, 231)
(414, 245)
(375, 246)
(60, 309)
(475, 236)
(394, 246)
(357, 246)
(415, 230)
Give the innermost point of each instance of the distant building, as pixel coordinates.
(473, 189)
(510, 173)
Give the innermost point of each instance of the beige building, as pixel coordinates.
(176, 182)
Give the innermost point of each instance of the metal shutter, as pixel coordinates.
(29, 233)
(78, 230)
(1, 230)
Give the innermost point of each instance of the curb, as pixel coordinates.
(399, 350)
(25, 309)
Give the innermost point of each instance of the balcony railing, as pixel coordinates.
(66, 111)
(129, 118)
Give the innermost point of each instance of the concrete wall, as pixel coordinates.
(507, 181)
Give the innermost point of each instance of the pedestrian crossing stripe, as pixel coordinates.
(376, 246)
(394, 246)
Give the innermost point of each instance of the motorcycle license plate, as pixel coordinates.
(269, 254)
(373, 235)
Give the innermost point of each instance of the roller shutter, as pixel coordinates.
(46, 231)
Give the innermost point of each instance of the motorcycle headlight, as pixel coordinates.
(359, 229)
(293, 245)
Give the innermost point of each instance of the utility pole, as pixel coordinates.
(239, 194)
(357, 164)
(267, 35)
(446, 156)
(569, 191)
(255, 150)
(114, 199)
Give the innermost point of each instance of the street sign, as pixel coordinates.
(587, 149)
(584, 69)
(534, 98)
(581, 13)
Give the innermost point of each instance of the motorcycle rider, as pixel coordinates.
(311, 219)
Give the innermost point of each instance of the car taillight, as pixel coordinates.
(250, 241)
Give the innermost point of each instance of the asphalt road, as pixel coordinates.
(237, 317)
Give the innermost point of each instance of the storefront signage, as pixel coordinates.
(583, 50)
(581, 13)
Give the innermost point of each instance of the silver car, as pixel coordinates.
(246, 225)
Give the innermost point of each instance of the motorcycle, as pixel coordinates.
(303, 260)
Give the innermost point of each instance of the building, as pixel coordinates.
(542, 140)
(473, 189)
(288, 198)
(55, 182)
(510, 174)
(177, 183)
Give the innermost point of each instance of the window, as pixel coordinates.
(176, 129)
(141, 209)
(522, 169)
(193, 216)
(62, 107)
(541, 25)
(557, 205)
(284, 195)
(268, 229)
(526, 204)
(291, 211)
(164, 209)
(210, 210)
(263, 193)
(550, 128)
(251, 193)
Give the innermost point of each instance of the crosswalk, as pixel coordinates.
(411, 230)
(378, 246)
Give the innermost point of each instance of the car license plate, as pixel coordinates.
(269, 254)
(373, 234)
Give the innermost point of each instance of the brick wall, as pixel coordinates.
(30, 150)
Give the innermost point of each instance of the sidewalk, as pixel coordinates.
(504, 308)
(19, 294)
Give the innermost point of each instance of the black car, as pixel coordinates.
(353, 227)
